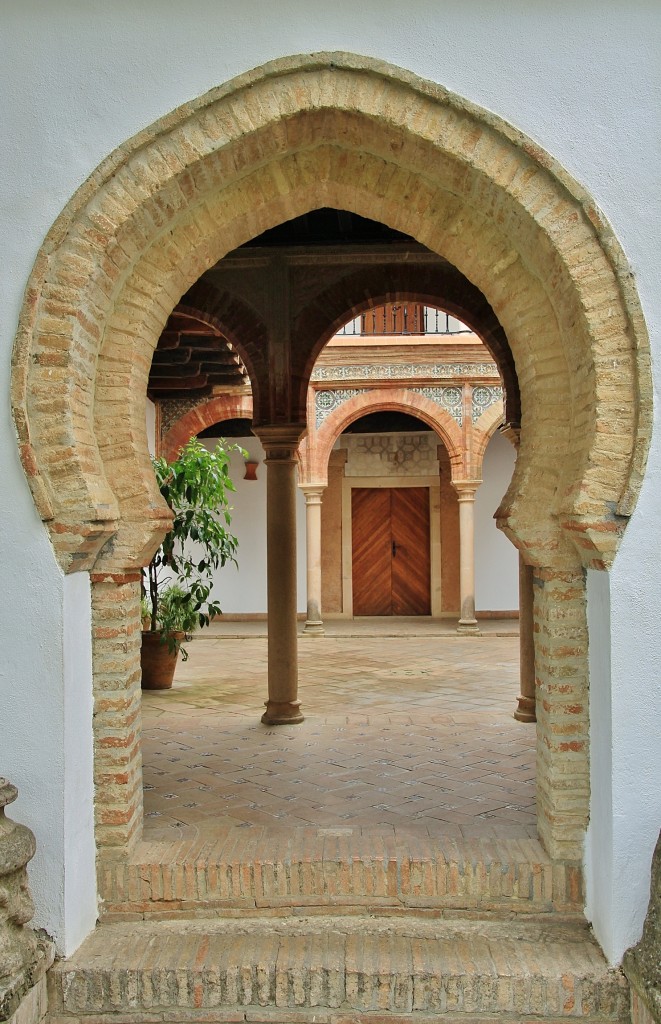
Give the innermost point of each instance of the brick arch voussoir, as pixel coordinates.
(140, 195)
(539, 534)
(206, 414)
(444, 287)
(314, 457)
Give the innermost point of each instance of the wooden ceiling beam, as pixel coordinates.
(198, 393)
(178, 384)
(171, 357)
(184, 325)
(187, 370)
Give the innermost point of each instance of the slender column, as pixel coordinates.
(525, 711)
(313, 625)
(280, 443)
(466, 495)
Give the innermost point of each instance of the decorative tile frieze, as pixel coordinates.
(326, 402)
(403, 371)
(449, 399)
(483, 397)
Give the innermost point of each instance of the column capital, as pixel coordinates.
(280, 440)
(466, 489)
(313, 493)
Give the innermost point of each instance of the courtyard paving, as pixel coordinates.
(408, 728)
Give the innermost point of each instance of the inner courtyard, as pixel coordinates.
(408, 728)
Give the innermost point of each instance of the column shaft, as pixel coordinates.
(525, 711)
(314, 625)
(282, 706)
(467, 622)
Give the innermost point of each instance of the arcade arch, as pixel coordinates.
(352, 133)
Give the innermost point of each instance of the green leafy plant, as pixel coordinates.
(177, 582)
(177, 618)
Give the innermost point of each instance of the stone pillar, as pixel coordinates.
(466, 491)
(24, 956)
(116, 640)
(526, 709)
(313, 624)
(280, 443)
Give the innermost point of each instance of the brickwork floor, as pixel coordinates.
(411, 732)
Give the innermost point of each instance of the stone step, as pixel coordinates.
(244, 873)
(337, 970)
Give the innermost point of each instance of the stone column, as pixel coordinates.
(313, 492)
(525, 711)
(280, 443)
(24, 956)
(466, 491)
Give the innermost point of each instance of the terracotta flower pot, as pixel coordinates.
(157, 661)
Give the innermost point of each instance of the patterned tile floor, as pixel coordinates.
(409, 732)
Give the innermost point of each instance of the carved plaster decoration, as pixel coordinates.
(483, 397)
(383, 455)
(172, 409)
(403, 371)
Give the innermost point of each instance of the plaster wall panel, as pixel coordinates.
(331, 537)
(496, 558)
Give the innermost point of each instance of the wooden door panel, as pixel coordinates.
(411, 588)
(371, 551)
(390, 551)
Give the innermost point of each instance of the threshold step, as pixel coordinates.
(337, 970)
(362, 873)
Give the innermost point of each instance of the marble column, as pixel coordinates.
(313, 493)
(525, 711)
(280, 443)
(466, 491)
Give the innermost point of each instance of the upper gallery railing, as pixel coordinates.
(401, 319)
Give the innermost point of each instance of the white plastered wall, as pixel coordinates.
(625, 735)
(81, 76)
(496, 558)
(241, 588)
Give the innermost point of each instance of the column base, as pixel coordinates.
(314, 627)
(526, 710)
(469, 627)
(286, 712)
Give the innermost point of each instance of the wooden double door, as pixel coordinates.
(390, 551)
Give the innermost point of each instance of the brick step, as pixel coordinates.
(337, 970)
(358, 873)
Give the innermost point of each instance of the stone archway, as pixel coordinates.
(352, 133)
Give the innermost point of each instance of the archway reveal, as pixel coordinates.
(351, 133)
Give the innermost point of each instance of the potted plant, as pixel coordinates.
(178, 581)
